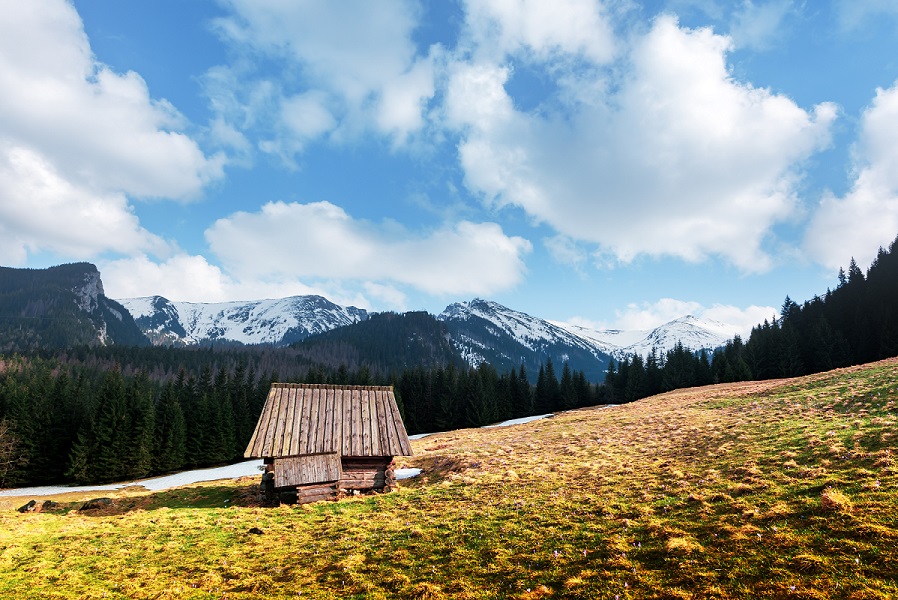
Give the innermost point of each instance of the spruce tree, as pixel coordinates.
(140, 428)
(566, 389)
(170, 434)
(475, 409)
(110, 431)
(553, 389)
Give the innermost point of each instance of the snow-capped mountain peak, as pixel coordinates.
(277, 322)
(690, 331)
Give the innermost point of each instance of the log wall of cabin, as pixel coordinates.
(358, 474)
(367, 473)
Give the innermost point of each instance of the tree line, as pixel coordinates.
(89, 421)
(68, 423)
(446, 398)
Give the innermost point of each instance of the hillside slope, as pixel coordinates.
(775, 489)
(486, 331)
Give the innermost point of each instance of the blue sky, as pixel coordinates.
(609, 163)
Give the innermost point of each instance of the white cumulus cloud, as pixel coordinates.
(346, 68)
(543, 30)
(321, 241)
(866, 218)
(679, 159)
(191, 278)
(77, 140)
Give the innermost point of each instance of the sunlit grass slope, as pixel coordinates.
(781, 489)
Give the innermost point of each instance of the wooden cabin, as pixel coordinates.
(319, 441)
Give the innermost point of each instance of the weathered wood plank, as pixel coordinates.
(271, 424)
(315, 429)
(337, 410)
(278, 429)
(295, 417)
(321, 435)
(318, 498)
(308, 469)
(254, 448)
(288, 413)
(366, 422)
(306, 420)
(327, 421)
(355, 424)
(346, 440)
(383, 437)
(400, 437)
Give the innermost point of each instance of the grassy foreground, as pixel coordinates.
(781, 489)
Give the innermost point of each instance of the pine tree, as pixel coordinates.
(445, 416)
(170, 433)
(553, 389)
(541, 394)
(110, 431)
(636, 380)
(475, 409)
(567, 390)
(140, 428)
(524, 401)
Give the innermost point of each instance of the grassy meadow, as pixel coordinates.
(777, 489)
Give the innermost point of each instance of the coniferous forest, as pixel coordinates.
(98, 414)
(84, 417)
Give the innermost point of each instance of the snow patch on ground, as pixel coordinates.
(520, 421)
(156, 484)
(407, 473)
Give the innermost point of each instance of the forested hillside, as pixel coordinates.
(383, 343)
(107, 414)
(60, 307)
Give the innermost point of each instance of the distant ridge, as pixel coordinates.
(692, 332)
(473, 332)
(486, 331)
(65, 306)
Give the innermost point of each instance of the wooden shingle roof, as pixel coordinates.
(300, 419)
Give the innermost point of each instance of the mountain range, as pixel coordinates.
(274, 322)
(65, 305)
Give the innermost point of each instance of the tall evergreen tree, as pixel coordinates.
(567, 390)
(553, 388)
(137, 448)
(170, 436)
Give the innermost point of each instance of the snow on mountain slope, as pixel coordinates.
(692, 332)
(609, 341)
(485, 331)
(531, 332)
(481, 330)
(278, 322)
